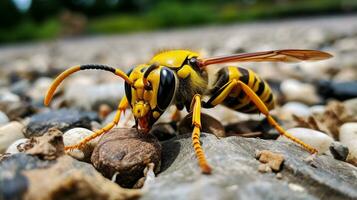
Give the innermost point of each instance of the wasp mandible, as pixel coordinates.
(180, 78)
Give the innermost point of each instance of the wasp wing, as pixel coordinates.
(286, 55)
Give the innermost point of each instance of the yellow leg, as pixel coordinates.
(121, 107)
(196, 121)
(262, 108)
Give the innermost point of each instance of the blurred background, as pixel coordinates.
(28, 20)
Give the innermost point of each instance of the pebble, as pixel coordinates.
(273, 160)
(348, 137)
(317, 109)
(9, 97)
(9, 133)
(296, 108)
(74, 136)
(3, 118)
(14, 147)
(63, 119)
(295, 90)
(316, 139)
(126, 153)
(208, 125)
(339, 151)
(338, 90)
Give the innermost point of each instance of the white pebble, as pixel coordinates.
(318, 109)
(296, 108)
(10, 133)
(348, 137)
(294, 90)
(73, 137)
(9, 97)
(316, 139)
(12, 149)
(3, 118)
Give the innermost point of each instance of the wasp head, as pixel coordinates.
(151, 93)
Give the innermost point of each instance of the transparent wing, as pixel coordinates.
(285, 55)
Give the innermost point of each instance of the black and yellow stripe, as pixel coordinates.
(237, 99)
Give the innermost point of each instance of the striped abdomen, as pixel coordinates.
(237, 99)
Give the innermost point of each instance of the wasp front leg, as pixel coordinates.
(196, 122)
(121, 108)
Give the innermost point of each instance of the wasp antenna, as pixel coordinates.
(147, 72)
(51, 90)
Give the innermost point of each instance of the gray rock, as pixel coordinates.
(235, 172)
(339, 151)
(63, 119)
(338, 90)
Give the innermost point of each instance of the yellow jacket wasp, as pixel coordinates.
(179, 77)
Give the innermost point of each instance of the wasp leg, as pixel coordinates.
(222, 93)
(263, 108)
(196, 121)
(121, 107)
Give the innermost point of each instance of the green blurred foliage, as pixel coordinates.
(44, 19)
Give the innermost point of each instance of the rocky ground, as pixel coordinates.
(316, 102)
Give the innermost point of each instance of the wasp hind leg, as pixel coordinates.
(121, 108)
(196, 122)
(225, 91)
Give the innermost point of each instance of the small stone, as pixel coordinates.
(273, 160)
(279, 175)
(16, 147)
(128, 153)
(3, 118)
(9, 133)
(348, 137)
(296, 108)
(47, 147)
(8, 96)
(317, 109)
(264, 168)
(208, 125)
(76, 135)
(339, 151)
(294, 90)
(63, 119)
(318, 140)
(338, 90)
